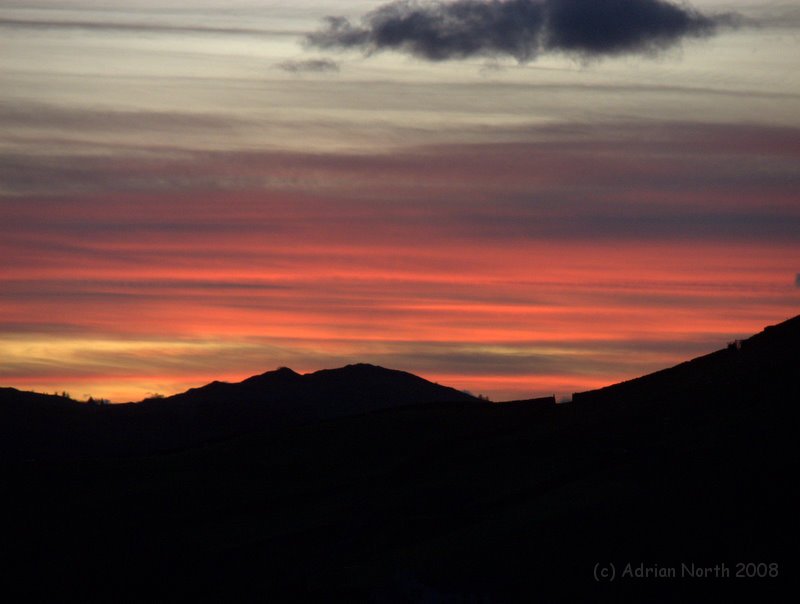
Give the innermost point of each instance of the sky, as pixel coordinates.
(515, 198)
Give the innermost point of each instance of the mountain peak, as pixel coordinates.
(287, 371)
(364, 368)
(281, 374)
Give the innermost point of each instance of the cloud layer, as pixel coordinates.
(511, 270)
(522, 29)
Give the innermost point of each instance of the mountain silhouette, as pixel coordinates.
(38, 425)
(354, 388)
(366, 484)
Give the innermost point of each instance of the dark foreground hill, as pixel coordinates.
(38, 426)
(690, 471)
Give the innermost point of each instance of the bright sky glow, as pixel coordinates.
(189, 192)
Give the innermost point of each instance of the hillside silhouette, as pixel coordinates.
(398, 497)
(47, 426)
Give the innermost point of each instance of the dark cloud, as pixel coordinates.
(619, 26)
(521, 29)
(438, 31)
(797, 279)
(309, 66)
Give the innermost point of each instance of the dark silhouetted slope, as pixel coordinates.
(34, 425)
(756, 369)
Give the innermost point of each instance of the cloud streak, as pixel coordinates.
(632, 181)
(309, 66)
(150, 28)
(522, 29)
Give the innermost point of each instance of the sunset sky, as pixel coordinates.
(514, 198)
